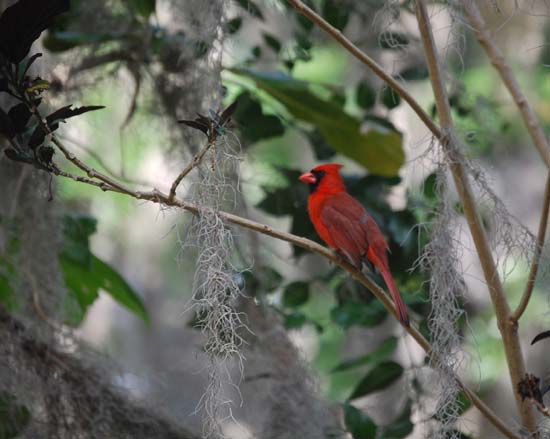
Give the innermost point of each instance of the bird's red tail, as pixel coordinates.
(399, 304)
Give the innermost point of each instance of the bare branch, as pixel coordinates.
(543, 223)
(507, 75)
(196, 160)
(453, 150)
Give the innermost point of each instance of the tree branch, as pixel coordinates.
(507, 75)
(305, 10)
(543, 223)
(453, 150)
(159, 197)
(196, 160)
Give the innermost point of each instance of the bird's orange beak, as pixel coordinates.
(308, 178)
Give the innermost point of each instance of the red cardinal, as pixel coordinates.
(344, 224)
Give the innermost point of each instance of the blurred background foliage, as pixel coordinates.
(301, 100)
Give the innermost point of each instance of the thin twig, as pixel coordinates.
(159, 197)
(496, 57)
(543, 223)
(97, 157)
(91, 172)
(305, 10)
(453, 150)
(196, 160)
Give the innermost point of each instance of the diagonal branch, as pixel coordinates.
(161, 198)
(496, 57)
(377, 69)
(536, 258)
(453, 150)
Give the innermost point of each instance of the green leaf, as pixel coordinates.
(335, 13)
(382, 352)
(365, 95)
(13, 417)
(257, 51)
(144, 7)
(272, 42)
(305, 23)
(358, 423)
(295, 320)
(400, 427)
(251, 8)
(114, 284)
(269, 278)
(296, 294)
(253, 123)
(81, 285)
(390, 98)
(84, 284)
(414, 73)
(352, 312)
(234, 25)
(380, 151)
(378, 378)
(322, 149)
(77, 230)
(430, 187)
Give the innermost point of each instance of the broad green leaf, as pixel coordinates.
(251, 7)
(83, 287)
(335, 13)
(352, 312)
(365, 95)
(296, 294)
(270, 279)
(430, 182)
(390, 98)
(378, 150)
(234, 25)
(378, 378)
(400, 427)
(13, 417)
(358, 423)
(114, 284)
(144, 7)
(253, 123)
(295, 320)
(272, 42)
(414, 73)
(382, 352)
(77, 230)
(84, 284)
(302, 20)
(321, 148)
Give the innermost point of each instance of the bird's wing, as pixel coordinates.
(346, 221)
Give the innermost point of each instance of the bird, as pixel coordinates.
(345, 225)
